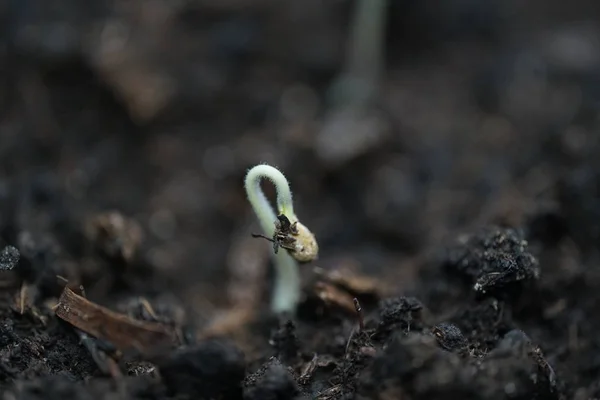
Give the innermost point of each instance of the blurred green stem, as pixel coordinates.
(364, 65)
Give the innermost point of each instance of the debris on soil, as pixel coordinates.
(105, 361)
(285, 342)
(398, 314)
(117, 236)
(308, 370)
(449, 337)
(412, 365)
(29, 350)
(209, 370)
(515, 363)
(124, 332)
(353, 282)
(484, 324)
(360, 315)
(164, 309)
(334, 298)
(516, 341)
(317, 367)
(24, 301)
(416, 367)
(140, 308)
(9, 258)
(272, 381)
(493, 258)
(334, 291)
(228, 323)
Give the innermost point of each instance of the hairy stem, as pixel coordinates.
(286, 293)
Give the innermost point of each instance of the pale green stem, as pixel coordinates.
(286, 293)
(365, 56)
(364, 60)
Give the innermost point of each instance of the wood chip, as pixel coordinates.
(228, 323)
(125, 333)
(353, 282)
(334, 297)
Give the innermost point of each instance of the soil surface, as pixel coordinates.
(458, 219)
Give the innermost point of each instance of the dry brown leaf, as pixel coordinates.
(122, 331)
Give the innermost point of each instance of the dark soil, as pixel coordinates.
(469, 234)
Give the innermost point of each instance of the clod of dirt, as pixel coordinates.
(212, 369)
(272, 381)
(516, 341)
(285, 342)
(398, 313)
(484, 324)
(493, 258)
(27, 352)
(9, 258)
(513, 365)
(449, 337)
(416, 366)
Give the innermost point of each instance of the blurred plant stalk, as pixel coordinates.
(358, 84)
(353, 125)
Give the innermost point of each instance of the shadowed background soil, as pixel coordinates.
(469, 230)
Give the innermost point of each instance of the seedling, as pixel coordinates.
(355, 121)
(285, 231)
(357, 85)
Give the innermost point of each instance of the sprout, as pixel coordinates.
(357, 85)
(285, 231)
(355, 122)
